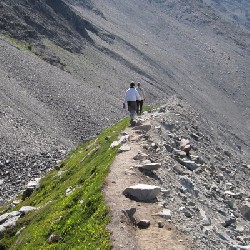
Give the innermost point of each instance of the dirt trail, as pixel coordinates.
(125, 235)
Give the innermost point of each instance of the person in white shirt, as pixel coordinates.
(140, 101)
(131, 96)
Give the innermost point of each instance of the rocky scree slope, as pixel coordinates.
(236, 11)
(55, 20)
(69, 83)
(205, 183)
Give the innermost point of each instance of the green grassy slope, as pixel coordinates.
(78, 219)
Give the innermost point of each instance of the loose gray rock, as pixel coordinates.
(245, 210)
(129, 212)
(152, 166)
(160, 224)
(143, 224)
(124, 148)
(140, 156)
(185, 211)
(166, 214)
(31, 186)
(239, 247)
(191, 165)
(229, 221)
(144, 128)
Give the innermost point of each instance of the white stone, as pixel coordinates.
(228, 185)
(115, 144)
(69, 190)
(2, 229)
(124, 148)
(7, 216)
(166, 214)
(227, 192)
(191, 165)
(238, 247)
(240, 228)
(206, 221)
(15, 202)
(183, 143)
(206, 229)
(26, 209)
(34, 184)
(142, 192)
(11, 222)
(146, 162)
(124, 139)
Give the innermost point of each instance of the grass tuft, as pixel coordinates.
(70, 203)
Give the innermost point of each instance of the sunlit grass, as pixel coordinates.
(78, 219)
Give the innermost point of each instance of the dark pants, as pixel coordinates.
(132, 107)
(139, 107)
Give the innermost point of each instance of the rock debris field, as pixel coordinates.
(174, 186)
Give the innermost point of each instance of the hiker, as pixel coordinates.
(140, 101)
(131, 96)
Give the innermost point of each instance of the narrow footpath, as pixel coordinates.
(154, 231)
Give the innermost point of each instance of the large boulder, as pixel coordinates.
(142, 192)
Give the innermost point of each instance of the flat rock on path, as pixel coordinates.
(125, 235)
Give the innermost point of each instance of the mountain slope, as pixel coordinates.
(236, 11)
(186, 47)
(64, 74)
